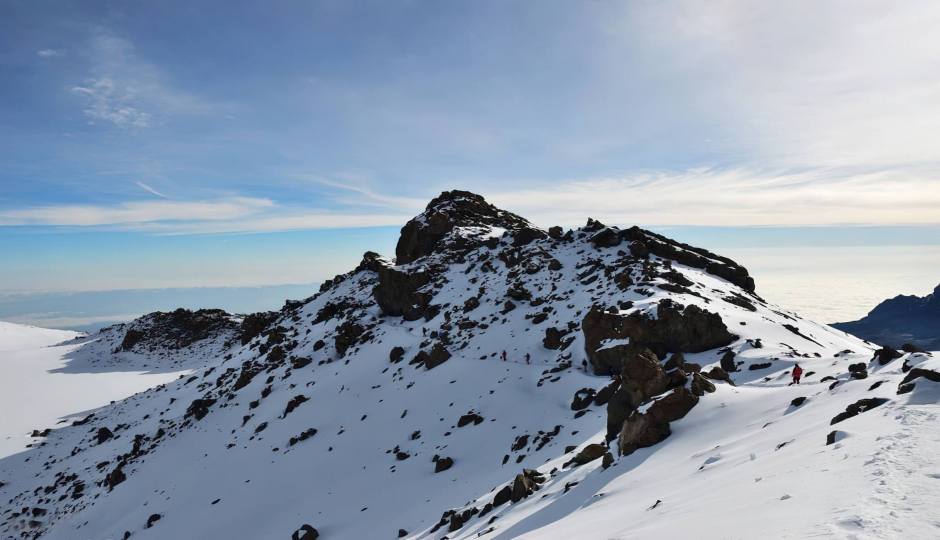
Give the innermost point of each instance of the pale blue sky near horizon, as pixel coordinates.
(207, 143)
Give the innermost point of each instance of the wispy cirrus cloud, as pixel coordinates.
(736, 197)
(129, 92)
(49, 53)
(703, 196)
(151, 190)
(135, 213)
(236, 215)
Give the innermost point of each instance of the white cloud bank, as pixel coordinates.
(710, 197)
(736, 197)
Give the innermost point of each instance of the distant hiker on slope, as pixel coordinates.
(526, 358)
(504, 356)
(797, 372)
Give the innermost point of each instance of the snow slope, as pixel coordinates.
(343, 411)
(40, 386)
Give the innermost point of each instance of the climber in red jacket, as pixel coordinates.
(526, 358)
(504, 356)
(797, 372)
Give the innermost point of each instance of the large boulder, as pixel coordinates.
(692, 329)
(397, 293)
(857, 408)
(522, 487)
(607, 237)
(639, 431)
(347, 335)
(437, 356)
(673, 406)
(640, 379)
(886, 354)
(642, 375)
(588, 454)
(700, 385)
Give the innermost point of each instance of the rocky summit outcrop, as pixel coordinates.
(674, 328)
(176, 329)
(452, 209)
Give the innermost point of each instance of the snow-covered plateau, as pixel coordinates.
(645, 393)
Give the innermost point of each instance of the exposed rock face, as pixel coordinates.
(305, 532)
(422, 235)
(727, 362)
(588, 454)
(503, 496)
(885, 355)
(857, 408)
(104, 434)
(397, 293)
(666, 248)
(256, 323)
(690, 330)
(347, 335)
(522, 487)
(177, 329)
(437, 356)
(443, 464)
(700, 385)
(641, 377)
(674, 406)
(199, 408)
(908, 383)
(606, 238)
(640, 432)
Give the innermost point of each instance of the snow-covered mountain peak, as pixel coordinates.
(495, 380)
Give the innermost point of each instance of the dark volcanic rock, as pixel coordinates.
(606, 238)
(700, 385)
(886, 354)
(422, 235)
(199, 408)
(588, 454)
(397, 293)
(436, 357)
(692, 330)
(503, 496)
(582, 399)
(305, 532)
(443, 464)
(727, 362)
(177, 329)
(673, 406)
(104, 434)
(857, 408)
(522, 487)
(639, 431)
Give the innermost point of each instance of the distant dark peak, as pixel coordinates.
(449, 210)
(899, 320)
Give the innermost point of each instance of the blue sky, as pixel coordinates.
(180, 144)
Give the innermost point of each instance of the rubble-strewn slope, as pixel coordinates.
(383, 406)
